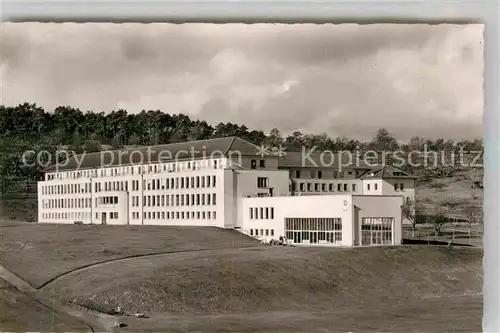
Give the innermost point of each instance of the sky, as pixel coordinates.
(342, 80)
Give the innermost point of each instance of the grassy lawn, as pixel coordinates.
(38, 252)
(20, 313)
(459, 234)
(236, 284)
(360, 289)
(434, 315)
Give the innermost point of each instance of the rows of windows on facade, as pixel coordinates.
(261, 213)
(318, 187)
(168, 183)
(318, 174)
(156, 215)
(262, 232)
(176, 215)
(164, 200)
(138, 170)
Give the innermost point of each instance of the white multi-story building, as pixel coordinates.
(230, 183)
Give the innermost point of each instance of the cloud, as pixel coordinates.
(340, 79)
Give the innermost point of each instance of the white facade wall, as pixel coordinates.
(65, 202)
(194, 196)
(318, 206)
(408, 190)
(190, 198)
(378, 206)
(247, 184)
(110, 208)
(349, 208)
(373, 187)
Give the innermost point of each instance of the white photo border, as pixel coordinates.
(483, 12)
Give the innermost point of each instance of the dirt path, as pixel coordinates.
(93, 321)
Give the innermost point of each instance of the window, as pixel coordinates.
(376, 186)
(396, 187)
(309, 187)
(316, 187)
(339, 187)
(251, 213)
(301, 187)
(313, 230)
(368, 187)
(376, 230)
(262, 182)
(402, 186)
(323, 187)
(330, 187)
(253, 164)
(262, 163)
(320, 174)
(354, 187)
(345, 188)
(297, 174)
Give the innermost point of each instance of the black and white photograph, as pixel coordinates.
(203, 177)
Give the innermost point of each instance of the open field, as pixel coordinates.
(270, 278)
(39, 252)
(20, 313)
(223, 281)
(285, 289)
(432, 315)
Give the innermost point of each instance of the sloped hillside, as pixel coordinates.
(275, 279)
(455, 191)
(39, 252)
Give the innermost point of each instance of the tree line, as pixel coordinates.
(30, 127)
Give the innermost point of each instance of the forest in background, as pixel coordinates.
(30, 127)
